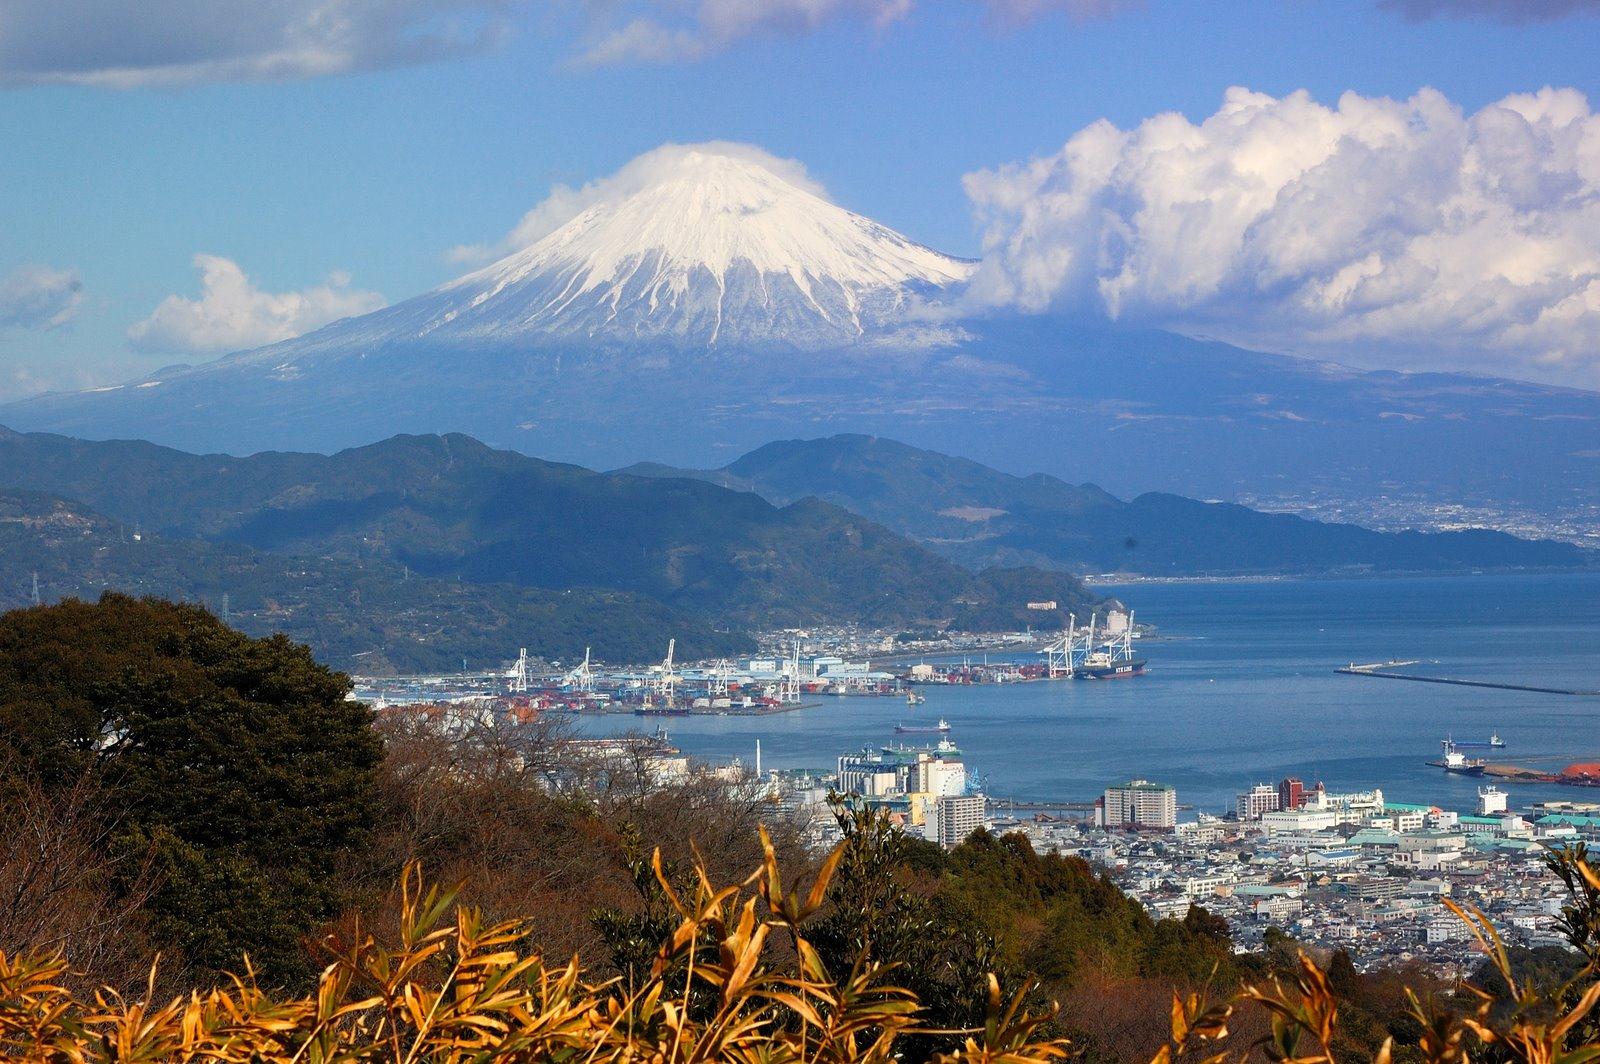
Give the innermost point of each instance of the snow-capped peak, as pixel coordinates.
(714, 248)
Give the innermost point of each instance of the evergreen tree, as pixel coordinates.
(237, 764)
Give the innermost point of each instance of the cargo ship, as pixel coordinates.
(919, 729)
(1457, 762)
(1105, 665)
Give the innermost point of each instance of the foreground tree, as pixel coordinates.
(236, 767)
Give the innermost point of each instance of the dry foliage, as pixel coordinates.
(736, 980)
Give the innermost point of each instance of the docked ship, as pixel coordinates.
(1111, 660)
(919, 729)
(1107, 665)
(1455, 761)
(1085, 657)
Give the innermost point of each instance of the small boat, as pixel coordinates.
(914, 699)
(918, 729)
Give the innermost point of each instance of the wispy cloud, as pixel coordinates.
(232, 314)
(1509, 12)
(39, 297)
(668, 32)
(1375, 225)
(121, 45)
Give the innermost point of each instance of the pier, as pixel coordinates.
(1385, 671)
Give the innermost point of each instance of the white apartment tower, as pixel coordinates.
(1140, 803)
(1250, 805)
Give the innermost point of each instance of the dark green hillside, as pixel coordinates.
(452, 508)
(365, 615)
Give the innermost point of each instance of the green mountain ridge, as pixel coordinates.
(981, 516)
(368, 616)
(452, 508)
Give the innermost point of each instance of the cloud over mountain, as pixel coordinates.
(232, 313)
(565, 203)
(1405, 226)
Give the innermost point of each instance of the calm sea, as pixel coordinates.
(1241, 689)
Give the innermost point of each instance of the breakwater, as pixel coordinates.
(1384, 674)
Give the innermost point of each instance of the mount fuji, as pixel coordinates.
(716, 302)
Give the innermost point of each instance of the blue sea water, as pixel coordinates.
(1241, 689)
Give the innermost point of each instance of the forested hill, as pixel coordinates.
(359, 615)
(449, 507)
(982, 516)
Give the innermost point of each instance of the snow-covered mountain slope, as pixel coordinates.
(717, 250)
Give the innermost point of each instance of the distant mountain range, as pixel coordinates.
(450, 509)
(981, 517)
(721, 306)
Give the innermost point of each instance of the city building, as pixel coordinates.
(1139, 803)
(1251, 804)
(1291, 793)
(959, 816)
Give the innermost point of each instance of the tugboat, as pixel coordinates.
(1457, 762)
(1494, 742)
(914, 699)
(919, 729)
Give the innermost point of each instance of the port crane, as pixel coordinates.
(519, 674)
(580, 677)
(789, 683)
(719, 684)
(665, 682)
(1065, 655)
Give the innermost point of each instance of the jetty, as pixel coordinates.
(1384, 670)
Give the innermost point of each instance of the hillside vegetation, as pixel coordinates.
(365, 615)
(451, 508)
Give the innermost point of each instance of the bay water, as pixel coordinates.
(1241, 689)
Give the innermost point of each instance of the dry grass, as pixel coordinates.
(736, 981)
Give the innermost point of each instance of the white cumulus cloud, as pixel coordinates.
(1399, 230)
(39, 297)
(232, 314)
(117, 44)
(565, 203)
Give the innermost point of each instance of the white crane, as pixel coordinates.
(518, 675)
(665, 682)
(789, 686)
(580, 677)
(1058, 655)
(720, 683)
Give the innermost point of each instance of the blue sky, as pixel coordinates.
(375, 173)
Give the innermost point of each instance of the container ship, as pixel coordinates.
(1105, 665)
(1086, 658)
